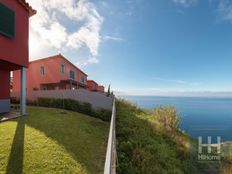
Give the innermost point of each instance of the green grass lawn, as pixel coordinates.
(47, 141)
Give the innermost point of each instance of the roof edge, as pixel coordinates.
(92, 81)
(56, 56)
(27, 7)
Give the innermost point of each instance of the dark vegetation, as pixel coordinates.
(151, 142)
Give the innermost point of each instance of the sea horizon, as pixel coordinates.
(170, 96)
(199, 116)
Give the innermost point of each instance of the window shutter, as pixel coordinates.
(7, 21)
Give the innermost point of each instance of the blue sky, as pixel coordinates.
(142, 47)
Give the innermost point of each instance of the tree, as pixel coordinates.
(108, 92)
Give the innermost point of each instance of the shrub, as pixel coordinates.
(74, 105)
(57, 103)
(45, 102)
(32, 103)
(167, 117)
(104, 114)
(14, 100)
(68, 104)
(144, 148)
(86, 108)
(71, 105)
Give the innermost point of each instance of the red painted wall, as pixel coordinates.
(16, 81)
(92, 85)
(101, 89)
(15, 50)
(52, 73)
(4, 84)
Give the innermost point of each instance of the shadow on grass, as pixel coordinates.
(15, 163)
(83, 137)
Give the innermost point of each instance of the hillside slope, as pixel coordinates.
(150, 142)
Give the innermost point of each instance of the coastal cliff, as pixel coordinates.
(152, 142)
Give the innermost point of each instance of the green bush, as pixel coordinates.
(45, 102)
(57, 103)
(14, 100)
(32, 103)
(74, 105)
(142, 147)
(167, 117)
(86, 108)
(68, 104)
(104, 114)
(71, 105)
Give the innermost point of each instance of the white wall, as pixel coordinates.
(97, 100)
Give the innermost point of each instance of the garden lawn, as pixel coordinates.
(49, 141)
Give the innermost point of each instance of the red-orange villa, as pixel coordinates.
(52, 73)
(93, 86)
(14, 22)
(101, 88)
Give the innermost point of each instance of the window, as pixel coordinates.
(72, 75)
(62, 68)
(7, 21)
(82, 80)
(42, 70)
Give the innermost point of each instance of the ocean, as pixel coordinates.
(200, 116)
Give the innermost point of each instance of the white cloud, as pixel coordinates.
(177, 81)
(225, 10)
(51, 33)
(142, 91)
(113, 38)
(84, 62)
(170, 92)
(185, 3)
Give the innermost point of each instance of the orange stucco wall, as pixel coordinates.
(101, 89)
(92, 85)
(52, 67)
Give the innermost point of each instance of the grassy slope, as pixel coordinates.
(47, 141)
(144, 148)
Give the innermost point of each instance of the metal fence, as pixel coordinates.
(111, 154)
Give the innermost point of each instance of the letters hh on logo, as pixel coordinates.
(209, 145)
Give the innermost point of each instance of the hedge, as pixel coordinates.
(69, 104)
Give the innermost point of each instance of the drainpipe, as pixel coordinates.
(23, 91)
